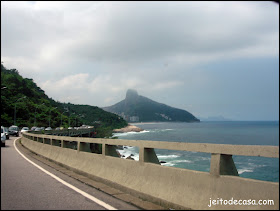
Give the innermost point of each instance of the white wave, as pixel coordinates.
(174, 162)
(130, 133)
(241, 171)
(134, 157)
(251, 168)
(204, 158)
(254, 165)
(183, 161)
(128, 151)
(144, 131)
(168, 164)
(167, 156)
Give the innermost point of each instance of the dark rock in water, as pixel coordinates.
(162, 161)
(130, 158)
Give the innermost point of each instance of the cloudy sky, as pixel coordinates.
(209, 58)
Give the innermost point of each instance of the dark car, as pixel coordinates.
(14, 130)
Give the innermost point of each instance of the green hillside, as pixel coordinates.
(25, 97)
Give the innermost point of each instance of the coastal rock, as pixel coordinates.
(130, 158)
(129, 128)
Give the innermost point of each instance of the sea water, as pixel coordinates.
(231, 132)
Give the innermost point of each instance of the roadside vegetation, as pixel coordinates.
(34, 108)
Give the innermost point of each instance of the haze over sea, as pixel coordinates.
(228, 132)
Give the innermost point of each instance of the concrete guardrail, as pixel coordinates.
(168, 186)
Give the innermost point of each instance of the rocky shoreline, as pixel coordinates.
(129, 128)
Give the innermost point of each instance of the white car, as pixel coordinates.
(3, 137)
(24, 129)
(6, 130)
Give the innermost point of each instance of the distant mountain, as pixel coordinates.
(136, 108)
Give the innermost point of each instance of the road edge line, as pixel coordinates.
(92, 198)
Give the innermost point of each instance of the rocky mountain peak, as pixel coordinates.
(131, 94)
(137, 108)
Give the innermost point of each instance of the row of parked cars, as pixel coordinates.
(6, 132)
(14, 130)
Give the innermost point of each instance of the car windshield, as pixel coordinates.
(2, 130)
(13, 128)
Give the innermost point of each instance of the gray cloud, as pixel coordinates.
(159, 48)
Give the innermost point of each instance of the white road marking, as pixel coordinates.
(101, 203)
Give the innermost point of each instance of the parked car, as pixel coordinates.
(14, 130)
(6, 130)
(3, 137)
(48, 128)
(38, 129)
(33, 128)
(24, 129)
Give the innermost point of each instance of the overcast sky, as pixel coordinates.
(209, 58)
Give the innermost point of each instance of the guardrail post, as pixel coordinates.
(148, 155)
(141, 154)
(222, 164)
(78, 146)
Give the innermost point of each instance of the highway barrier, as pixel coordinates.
(220, 188)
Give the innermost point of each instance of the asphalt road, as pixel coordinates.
(26, 187)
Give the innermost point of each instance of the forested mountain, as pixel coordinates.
(137, 108)
(21, 96)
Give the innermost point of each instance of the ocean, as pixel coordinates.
(230, 132)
